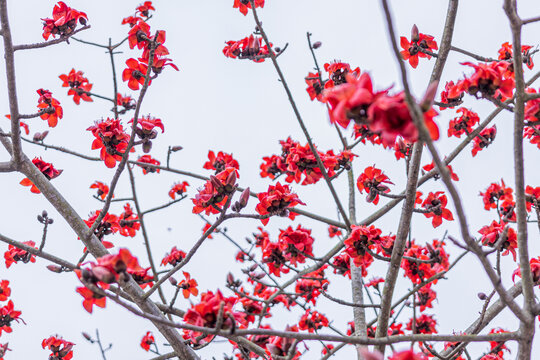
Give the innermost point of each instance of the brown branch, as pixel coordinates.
(49, 43)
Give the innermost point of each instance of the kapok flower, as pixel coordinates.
(337, 73)
(144, 9)
(188, 286)
(416, 48)
(127, 102)
(372, 181)
(359, 244)
(496, 194)
(484, 139)
(102, 189)
(334, 231)
(7, 315)
(215, 192)
(390, 116)
(244, 5)
(425, 324)
(535, 270)
(407, 355)
(220, 161)
(206, 314)
(109, 225)
(351, 100)
(52, 111)
(315, 87)
(431, 166)
(174, 257)
(178, 189)
(5, 291)
(139, 35)
(129, 222)
(78, 84)
(506, 53)
(60, 348)
(64, 21)
(312, 321)
(532, 197)
(149, 160)
(91, 299)
(147, 341)
(435, 203)
(14, 254)
(451, 95)
(135, 74)
(492, 233)
(296, 244)
(111, 138)
(248, 48)
(490, 80)
(425, 297)
(276, 201)
(463, 124)
(47, 169)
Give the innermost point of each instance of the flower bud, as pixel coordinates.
(230, 279)
(317, 44)
(415, 35)
(482, 296)
(146, 147)
(244, 197)
(176, 148)
(231, 179)
(86, 336)
(173, 281)
(216, 183)
(55, 268)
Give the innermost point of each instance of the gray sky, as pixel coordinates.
(216, 103)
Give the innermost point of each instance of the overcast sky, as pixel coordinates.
(217, 103)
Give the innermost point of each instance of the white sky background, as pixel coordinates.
(237, 106)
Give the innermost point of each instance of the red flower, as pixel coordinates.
(188, 286)
(296, 244)
(425, 324)
(109, 225)
(351, 100)
(451, 95)
(312, 320)
(273, 257)
(535, 270)
(425, 297)
(46, 169)
(60, 348)
(359, 244)
(414, 49)
(51, 107)
(337, 73)
(111, 138)
(496, 193)
(434, 260)
(312, 285)
(178, 189)
(14, 255)
(102, 189)
(488, 79)
(215, 192)
(248, 48)
(144, 9)
(131, 20)
(91, 299)
(463, 124)
(244, 5)
(147, 340)
(135, 74)
(23, 125)
(174, 257)
(220, 161)
(283, 346)
(484, 139)
(7, 315)
(129, 222)
(334, 231)
(206, 313)
(64, 21)
(149, 160)
(435, 203)
(5, 291)
(78, 84)
(276, 201)
(492, 233)
(139, 35)
(390, 116)
(372, 181)
(375, 282)
(363, 133)
(429, 167)
(506, 53)
(315, 87)
(127, 102)
(532, 195)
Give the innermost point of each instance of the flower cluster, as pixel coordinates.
(215, 192)
(111, 138)
(463, 124)
(60, 349)
(250, 47)
(276, 201)
(220, 162)
(49, 107)
(300, 164)
(491, 236)
(78, 85)
(423, 262)
(47, 169)
(64, 21)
